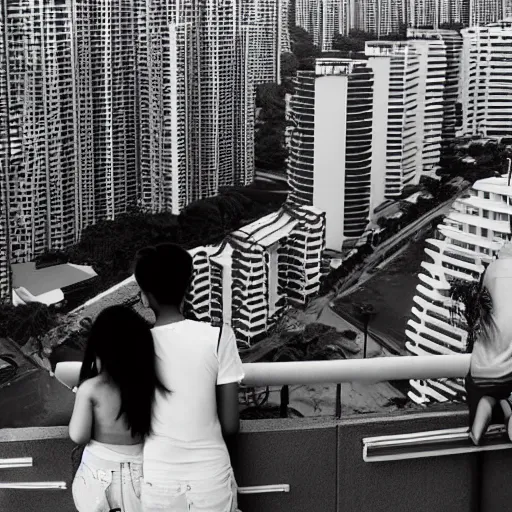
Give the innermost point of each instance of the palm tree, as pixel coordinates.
(472, 302)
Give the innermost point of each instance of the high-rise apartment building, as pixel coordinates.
(468, 239)
(418, 95)
(431, 50)
(330, 161)
(452, 117)
(486, 80)
(434, 14)
(378, 17)
(284, 26)
(195, 68)
(269, 38)
(250, 278)
(483, 12)
(5, 155)
(106, 101)
(322, 19)
(41, 185)
(396, 68)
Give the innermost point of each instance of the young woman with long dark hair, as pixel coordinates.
(112, 412)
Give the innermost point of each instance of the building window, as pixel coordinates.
(487, 195)
(472, 230)
(485, 232)
(485, 214)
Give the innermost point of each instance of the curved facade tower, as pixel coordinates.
(469, 238)
(301, 114)
(358, 153)
(330, 145)
(487, 73)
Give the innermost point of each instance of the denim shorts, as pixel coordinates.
(102, 486)
(191, 496)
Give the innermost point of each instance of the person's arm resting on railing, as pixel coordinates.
(80, 426)
(229, 376)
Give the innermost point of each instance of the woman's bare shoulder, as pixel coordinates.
(93, 388)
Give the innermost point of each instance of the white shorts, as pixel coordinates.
(196, 496)
(102, 485)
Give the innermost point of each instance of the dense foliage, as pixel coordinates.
(316, 342)
(269, 140)
(110, 246)
(303, 48)
(472, 303)
(21, 323)
(356, 40)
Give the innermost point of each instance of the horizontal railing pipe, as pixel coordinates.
(377, 369)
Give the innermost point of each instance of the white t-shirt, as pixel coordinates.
(187, 442)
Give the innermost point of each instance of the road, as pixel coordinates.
(375, 259)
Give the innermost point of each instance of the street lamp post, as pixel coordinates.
(365, 312)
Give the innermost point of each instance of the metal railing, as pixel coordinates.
(378, 369)
(27, 462)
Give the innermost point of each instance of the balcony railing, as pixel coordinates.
(378, 369)
(377, 463)
(356, 370)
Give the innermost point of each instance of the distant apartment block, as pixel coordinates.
(482, 12)
(431, 50)
(396, 69)
(452, 114)
(435, 13)
(284, 26)
(417, 106)
(5, 155)
(269, 37)
(106, 100)
(486, 80)
(381, 18)
(69, 140)
(322, 19)
(41, 185)
(330, 146)
(197, 102)
(469, 238)
(258, 271)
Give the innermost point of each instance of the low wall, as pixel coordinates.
(321, 460)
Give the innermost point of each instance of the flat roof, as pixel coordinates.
(43, 280)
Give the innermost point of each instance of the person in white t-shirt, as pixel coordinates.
(187, 465)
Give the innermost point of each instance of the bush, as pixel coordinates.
(51, 258)
(20, 323)
(349, 334)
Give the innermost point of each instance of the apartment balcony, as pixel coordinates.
(420, 461)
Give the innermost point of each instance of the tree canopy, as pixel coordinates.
(269, 140)
(110, 246)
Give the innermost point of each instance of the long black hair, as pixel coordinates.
(122, 341)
